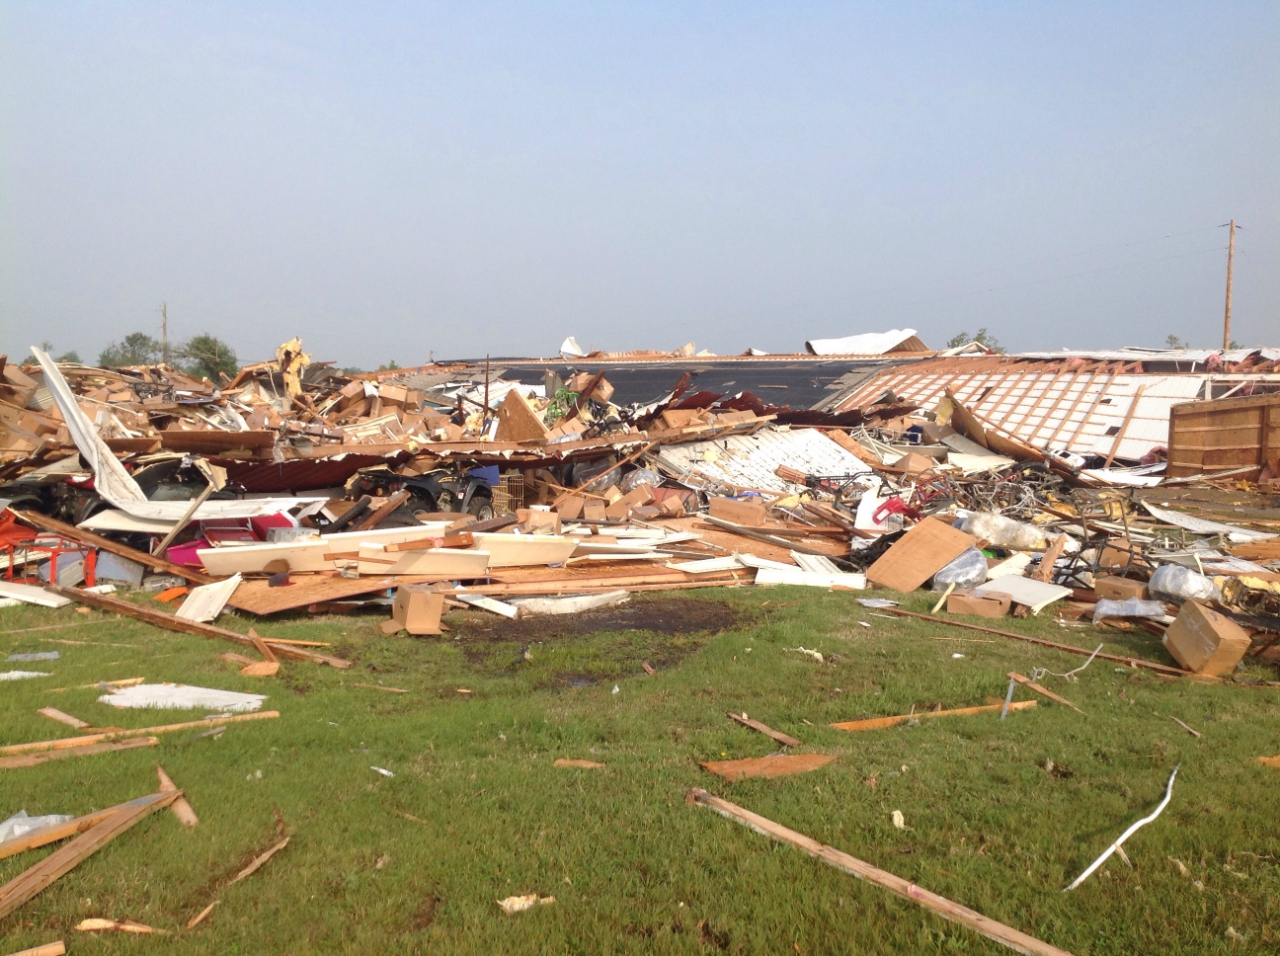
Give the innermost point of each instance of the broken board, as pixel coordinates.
(783, 765)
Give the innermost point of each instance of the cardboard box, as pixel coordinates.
(417, 609)
(751, 511)
(571, 508)
(981, 605)
(1206, 642)
(1116, 555)
(594, 511)
(538, 520)
(1112, 588)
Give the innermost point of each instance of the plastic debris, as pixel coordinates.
(518, 904)
(182, 697)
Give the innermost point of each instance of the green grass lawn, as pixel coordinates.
(476, 812)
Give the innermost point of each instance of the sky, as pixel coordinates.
(426, 181)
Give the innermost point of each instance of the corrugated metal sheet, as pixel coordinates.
(1049, 405)
(750, 461)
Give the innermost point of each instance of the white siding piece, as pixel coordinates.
(813, 579)
(707, 565)
(760, 564)
(488, 604)
(203, 604)
(30, 594)
(817, 563)
(750, 461)
(869, 343)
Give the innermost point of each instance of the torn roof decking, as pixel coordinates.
(801, 381)
(1082, 407)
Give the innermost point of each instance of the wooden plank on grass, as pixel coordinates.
(879, 723)
(1004, 935)
(180, 808)
(29, 883)
(63, 831)
(779, 736)
(785, 765)
(89, 750)
(48, 949)
(66, 742)
(54, 714)
(1029, 684)
(1083, 652)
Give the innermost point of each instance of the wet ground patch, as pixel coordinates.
(574, 650)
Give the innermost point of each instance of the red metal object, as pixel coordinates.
(894, 506)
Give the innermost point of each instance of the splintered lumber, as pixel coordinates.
(257, 863)
(1029, 684)
(760, 535)
(879, 723)
(577, 763)
(180, 808)
(777, 735)
(1004, 935)
(44, 523)
(27, 884)
(380, 515)
(258, 597)
(1069, 649)
(34, 759)
(106, 602)
(67, 742)
(200, 917)
(784, 765)
(98, 925)
(463, 539)
(48, 949)
(63, 831)
(1044, 572)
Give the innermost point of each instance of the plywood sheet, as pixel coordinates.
(919, 554)
(450, 562)
(510, 550)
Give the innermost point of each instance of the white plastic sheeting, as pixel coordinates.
(869, 343)
(182, 697)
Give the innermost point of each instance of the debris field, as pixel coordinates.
(1092, 514)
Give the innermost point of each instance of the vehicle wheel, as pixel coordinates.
(445, 501)
(481, 508)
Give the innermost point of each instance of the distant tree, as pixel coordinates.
(982, 337)
(137, 348)
(72, 357)
(46, 346)
(1173, 342)
(206, 356)
(389, 367)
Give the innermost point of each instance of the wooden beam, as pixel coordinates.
(66, 742)
(29, 883)
(1083, 652)
(1051, 554)
(1004, 935)
(105, 602)
(88, 750)
(383, 511)
(63, 831)
(1124, 426)
(779, 736)
(48, 949)
(879, 723)
(155, 562)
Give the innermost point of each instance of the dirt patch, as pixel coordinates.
(576, 650)
(659, 615)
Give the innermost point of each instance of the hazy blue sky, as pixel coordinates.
(395, 180)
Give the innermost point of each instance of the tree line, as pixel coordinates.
(204, 356)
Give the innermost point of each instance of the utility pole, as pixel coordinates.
(1231, 256)
(164, 324)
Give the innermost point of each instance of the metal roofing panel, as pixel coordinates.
(750, 461)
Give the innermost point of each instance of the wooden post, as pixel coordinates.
(1231, 258)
